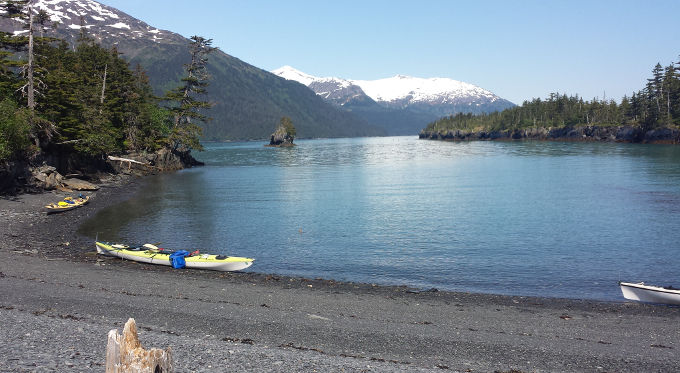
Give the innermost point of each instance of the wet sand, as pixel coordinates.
(59, 299)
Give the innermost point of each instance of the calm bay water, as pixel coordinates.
(521, 218)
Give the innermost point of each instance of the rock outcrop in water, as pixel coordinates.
(630, 134)
(284, 134)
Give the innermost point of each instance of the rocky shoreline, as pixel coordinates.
(59, 300)
(628, 134)
(51, 172)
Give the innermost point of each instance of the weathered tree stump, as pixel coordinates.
(124, 353)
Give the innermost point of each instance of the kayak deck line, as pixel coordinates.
(145, 254)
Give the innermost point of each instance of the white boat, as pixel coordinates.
(650, 294)
(151, 254)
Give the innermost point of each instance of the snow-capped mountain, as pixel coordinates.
(104, 23)
(249, 102)
(339, 91)
(400, 91)
(401, 104)
(410, 90)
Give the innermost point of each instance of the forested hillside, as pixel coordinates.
(248, 101)
(72, 105)
(656, 105)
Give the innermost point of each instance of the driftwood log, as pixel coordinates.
(128, 160)
(124, 353)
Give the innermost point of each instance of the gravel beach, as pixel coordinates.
(59, 299)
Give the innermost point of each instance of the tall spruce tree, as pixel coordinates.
(184, 100)
(42, 130)
(672, 84)
(655, 94)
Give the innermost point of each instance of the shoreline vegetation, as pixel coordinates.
(628, 134)
(60, 299)
(651, 115)
(72, 107)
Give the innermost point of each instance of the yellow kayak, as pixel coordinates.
(151, 254)
(68, 203)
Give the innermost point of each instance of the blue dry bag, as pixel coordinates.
(177, 258)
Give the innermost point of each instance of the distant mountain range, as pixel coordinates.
(402, 105)
(249, 101)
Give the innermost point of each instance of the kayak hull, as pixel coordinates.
(649, 294)
(204, 261)
(54, 208)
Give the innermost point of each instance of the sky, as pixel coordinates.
(519, 50)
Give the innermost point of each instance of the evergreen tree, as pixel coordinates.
(655, 96)
(9, 45)
(150, 130)
(42, 130)
(14, 130)
(42, 19)
(672, 78)
(625, 111)
(183, 100)
(8, 79)
(29, 69)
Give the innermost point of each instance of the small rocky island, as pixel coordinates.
(284, 134)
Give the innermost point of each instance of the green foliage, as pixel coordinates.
(288, 127)
(9, 80)
(14, 130)
(183, 101)
(97, 136)
(556, 111)
(125, 117)
(657, 105)
(155, 131)
(92, 104)
(186, 137)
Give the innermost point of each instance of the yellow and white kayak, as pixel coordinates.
(68, 203)
(151, 254)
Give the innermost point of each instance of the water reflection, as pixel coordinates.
(531, 218)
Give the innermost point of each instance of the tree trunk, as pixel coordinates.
(101, 98)
(668, 108)
(29, 69)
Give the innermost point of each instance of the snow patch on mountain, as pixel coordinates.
(77, 7)
(120, 25)
(102, 21)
